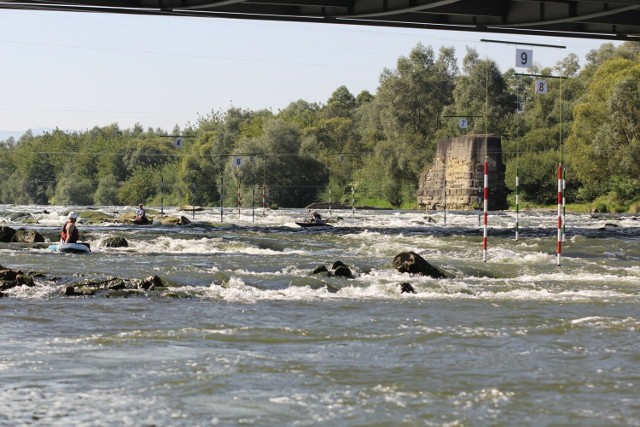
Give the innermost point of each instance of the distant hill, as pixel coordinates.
(16, 134)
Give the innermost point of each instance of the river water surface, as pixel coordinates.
(250, 337)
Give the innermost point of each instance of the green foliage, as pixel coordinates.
(139, 187)
(275, 160)
(538, 176)
(609, 204)
(73, 190)
(374, 144)
(606, 132)
(107, 191)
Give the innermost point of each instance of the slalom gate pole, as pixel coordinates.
(445, 198)
(486, 209)
(559, 250)
(564, 204)
(264, 200)
(353, 202)
(517, 203)
(221, 198)
(161, 195)
(239, 201)
(193, 200)
(253, 203)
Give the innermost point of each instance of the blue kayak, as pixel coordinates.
(75, 248)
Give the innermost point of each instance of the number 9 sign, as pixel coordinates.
(524, 58)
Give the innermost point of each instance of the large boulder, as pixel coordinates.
(23, 217)
(411, 262)
(95, 217)
(343, 271)
(115, 242)
(27, 236)
(171, 220)
(6, 234)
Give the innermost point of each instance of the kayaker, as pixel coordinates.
(141, 215)
(317, 218)
(70, 233)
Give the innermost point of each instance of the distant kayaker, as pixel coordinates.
(141, 215)
(317, 218)
(70, 233)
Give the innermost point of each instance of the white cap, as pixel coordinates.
(73, 215)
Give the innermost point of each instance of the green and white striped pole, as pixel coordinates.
(517, 202)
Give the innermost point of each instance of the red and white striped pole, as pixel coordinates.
(264, 200)
(564, 204)
(486, 209)
(239, 202)
(559, 250)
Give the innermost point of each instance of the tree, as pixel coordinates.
(605, 133)
(481, 91)
(107, 191)
(73, 189)
(139, 188)
(274, 159)
(340, 104)
(410, 100)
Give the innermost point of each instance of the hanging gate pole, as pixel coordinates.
(517, 203)
(486, 209)
(239, 200)
(559, 249)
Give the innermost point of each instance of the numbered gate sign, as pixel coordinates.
(524, 58)
(463, 123)
(237, 161)
(178, 143)
(541, 87)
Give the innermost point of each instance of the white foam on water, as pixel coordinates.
(608, 323)
(39, 292)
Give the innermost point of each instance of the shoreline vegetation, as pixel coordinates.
(365, 150)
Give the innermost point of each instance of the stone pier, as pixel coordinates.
(455, 179)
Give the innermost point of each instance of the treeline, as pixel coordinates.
(368, 148)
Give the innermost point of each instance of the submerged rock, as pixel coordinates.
(320, 269)
(114, 287)
(338, 269)
(27, 236)
(411, 262)
(152, 282)
(406, 288)
(11, 278)
(6, 234)
(331, 289)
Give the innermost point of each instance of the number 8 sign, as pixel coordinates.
(541, 87)
(524, 58)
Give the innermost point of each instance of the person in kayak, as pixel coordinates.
(317, 218)
(70, 233)
(141, 215)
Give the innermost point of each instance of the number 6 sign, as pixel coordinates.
(524, 58)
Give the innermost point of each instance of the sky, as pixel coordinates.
(75, 71)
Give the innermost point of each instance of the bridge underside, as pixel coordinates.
(619, 19)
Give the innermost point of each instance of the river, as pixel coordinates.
(248, 336)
